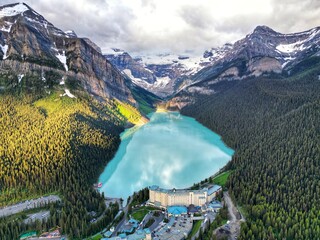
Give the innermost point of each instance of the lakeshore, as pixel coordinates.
(163, 152)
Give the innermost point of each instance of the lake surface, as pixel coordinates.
(172, 151)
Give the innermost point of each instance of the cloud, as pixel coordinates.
(181, 25)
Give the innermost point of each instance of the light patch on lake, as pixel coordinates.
(172, 151)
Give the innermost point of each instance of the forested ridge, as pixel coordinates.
(55, 144)
(273, 124)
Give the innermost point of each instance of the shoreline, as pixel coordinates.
(219, 171)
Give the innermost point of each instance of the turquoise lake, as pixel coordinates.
(172, 151)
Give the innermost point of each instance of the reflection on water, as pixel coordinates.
(171, 150)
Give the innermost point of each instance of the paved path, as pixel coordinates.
(29, 204)
(235, 222)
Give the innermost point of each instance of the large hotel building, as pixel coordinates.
(169, 197)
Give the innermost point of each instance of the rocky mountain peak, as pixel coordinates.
(71, 34)
(14, 9)
(31, 44)
(264, 30)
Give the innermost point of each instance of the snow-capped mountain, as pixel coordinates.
(163, 74)
(263, 51)
(30, 45)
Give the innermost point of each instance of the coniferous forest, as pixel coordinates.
(273, 125)
(48, 142)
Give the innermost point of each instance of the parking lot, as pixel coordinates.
(37, 216)
(28, 204)
(177, 228)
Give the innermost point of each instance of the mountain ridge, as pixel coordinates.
(263, 51)
(29, 43)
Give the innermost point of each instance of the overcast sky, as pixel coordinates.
(178, 26)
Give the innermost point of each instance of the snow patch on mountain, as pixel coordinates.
(67, 93)
(6, 27)
(113, 51)
(188, 63)
(13, 10)
(20, 76)
(4, 50)
(62, 81)
(289, 48)
(63, 59)
(162, 81)
(137, 81)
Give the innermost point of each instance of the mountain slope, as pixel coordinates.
(63, 106)
(30, 44)
(264, 51)
(272, 123)
(258, 54)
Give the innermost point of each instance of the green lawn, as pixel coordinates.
(222, 178)
(139, 215)
(98, 236)
(141, 212)
(195, 228)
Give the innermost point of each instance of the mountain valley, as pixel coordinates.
(64, 102)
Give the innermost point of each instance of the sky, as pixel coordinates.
(176, 26)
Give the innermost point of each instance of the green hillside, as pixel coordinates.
(48, 142)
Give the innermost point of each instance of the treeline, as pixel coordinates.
(138, 198)
(61, 145)
(273, 124)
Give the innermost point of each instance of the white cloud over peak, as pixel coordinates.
(174, 25)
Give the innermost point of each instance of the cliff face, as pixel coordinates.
(103, 79)
(28, 42)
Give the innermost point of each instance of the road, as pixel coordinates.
(120, 224)
(235, 217)
(29, 204)
(156, 222)
(209, 218)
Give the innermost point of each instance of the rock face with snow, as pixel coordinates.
(264, 51)
(31, 44)
(124, 62)
(163, 74)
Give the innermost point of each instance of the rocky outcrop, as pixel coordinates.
(264, 65)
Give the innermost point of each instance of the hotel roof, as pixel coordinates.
(213, 189)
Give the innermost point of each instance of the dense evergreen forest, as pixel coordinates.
(56, 144)
(273, 124)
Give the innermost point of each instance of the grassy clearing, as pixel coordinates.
(98, 236)
(129, 112)
(139, 215)
(141, 212)
(195, 228)
(243, 211)
(54, 103)
(222, 178)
